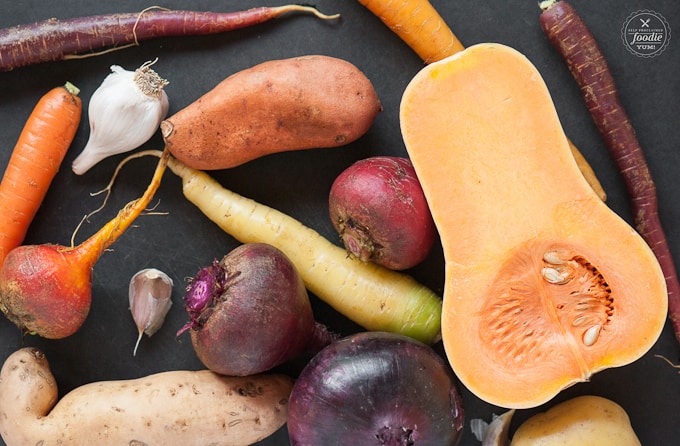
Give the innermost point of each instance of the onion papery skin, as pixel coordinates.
(376, 388)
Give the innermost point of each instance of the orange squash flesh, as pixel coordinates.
(545, 285)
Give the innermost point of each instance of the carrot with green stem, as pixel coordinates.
(424, 30)
(53, 40)
(47, 289)
(374, 297)
(569, 34)
(35, 161)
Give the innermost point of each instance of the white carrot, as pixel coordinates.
(374, 297)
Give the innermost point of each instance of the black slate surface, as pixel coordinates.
(297, 183)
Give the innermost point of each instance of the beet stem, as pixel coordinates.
(569, 34)
(92, 248)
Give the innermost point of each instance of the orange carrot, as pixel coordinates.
(47, 289)
(42, 145)
(571, 37)
(418, 24)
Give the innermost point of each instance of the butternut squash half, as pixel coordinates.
(545, 285)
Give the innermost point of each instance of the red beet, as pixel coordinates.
(378, 207)
(251, 312)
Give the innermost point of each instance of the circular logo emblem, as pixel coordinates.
(646, 33)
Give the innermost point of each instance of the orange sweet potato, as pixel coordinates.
(280, 105)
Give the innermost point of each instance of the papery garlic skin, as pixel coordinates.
(124, 113)
(150, 297)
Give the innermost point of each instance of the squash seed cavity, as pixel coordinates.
(538, 287)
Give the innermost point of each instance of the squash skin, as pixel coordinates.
(484, 137)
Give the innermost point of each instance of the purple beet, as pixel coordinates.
(250, 312)
(375, 388)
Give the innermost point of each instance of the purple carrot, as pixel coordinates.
(54, 39)
(567, 31)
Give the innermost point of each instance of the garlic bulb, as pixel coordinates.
(150, 295)
(124, 113)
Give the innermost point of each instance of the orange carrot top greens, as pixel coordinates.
(35, 160)
(418, 24)
(572, 38)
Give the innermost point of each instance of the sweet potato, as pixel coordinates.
(168, 408)
(280, 105)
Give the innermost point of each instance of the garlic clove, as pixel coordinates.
(150, 300)
(124, 113)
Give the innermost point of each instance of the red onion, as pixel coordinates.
(375, 388)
